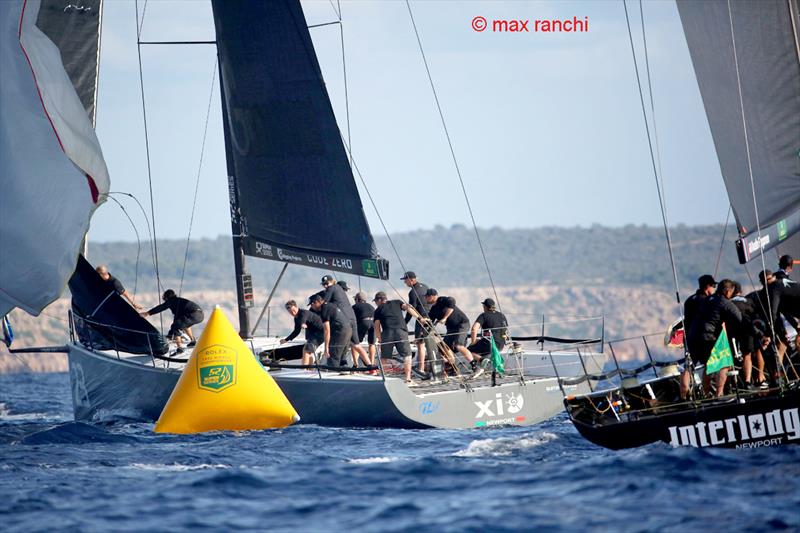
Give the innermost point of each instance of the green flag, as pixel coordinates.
(497, 358)
(720, 355)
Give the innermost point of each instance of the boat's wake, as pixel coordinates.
(503, 446)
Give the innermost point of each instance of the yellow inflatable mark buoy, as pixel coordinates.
(224, 387)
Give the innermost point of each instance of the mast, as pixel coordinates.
(244, 284)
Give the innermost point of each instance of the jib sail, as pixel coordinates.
(765, 33)
(292, 190)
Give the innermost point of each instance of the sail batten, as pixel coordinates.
(767, 211)
(297, 200)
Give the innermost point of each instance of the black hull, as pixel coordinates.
(766, 419)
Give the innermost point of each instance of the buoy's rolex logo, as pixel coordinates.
(746, 431)
(216, 368)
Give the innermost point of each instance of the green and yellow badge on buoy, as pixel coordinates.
(224, 387)
(216, 368)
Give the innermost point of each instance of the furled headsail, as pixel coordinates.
(765, 33)
(292, 189)
(52, 169)
(74, 27)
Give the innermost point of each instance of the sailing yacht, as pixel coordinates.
(293, 199)
(746, 55)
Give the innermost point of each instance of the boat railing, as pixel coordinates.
(99, 336)
(628, 362)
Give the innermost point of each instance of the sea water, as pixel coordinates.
(56, 474)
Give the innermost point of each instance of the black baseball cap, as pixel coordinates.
(431, 292)
(379, 296)
(706, 280)
(488, 302)
(314, 297)
(343, 284)
(326, 279)
(409, 275)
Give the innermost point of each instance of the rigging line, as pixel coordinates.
(652, 103)
(378, 213)
(149, 169)
(722, 242)
(338, 12)
(146, 220)
(453, 154)
(139, 25)
(346, 96)
(653, 161)
(138, 243)
(750, 167)
(197, 181)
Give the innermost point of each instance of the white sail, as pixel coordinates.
(52, 172)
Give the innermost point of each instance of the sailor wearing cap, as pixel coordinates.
(706, 285)
(443, 309)
(335, 294)
(416, 299)
(490, 323)
(390, 330)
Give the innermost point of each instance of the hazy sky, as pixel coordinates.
(547, 128)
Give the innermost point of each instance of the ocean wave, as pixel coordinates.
(7, 415)
(504, 445)
(372, 460)
(74, 433)
(176, 467)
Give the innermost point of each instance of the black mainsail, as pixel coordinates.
(74, 27)
(765, 34)
(293, 195)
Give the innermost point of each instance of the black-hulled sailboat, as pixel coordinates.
(746, 54)
(293, 199)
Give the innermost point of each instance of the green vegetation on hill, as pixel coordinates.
(594, 256)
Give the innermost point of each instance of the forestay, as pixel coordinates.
(52, 168)
(291, 185)
(766, 49)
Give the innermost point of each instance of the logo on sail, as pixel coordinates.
(370, 267)
(216, 368)
(783, 231)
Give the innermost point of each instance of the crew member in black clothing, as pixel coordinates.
(705, 288)
(489, 323)
(744, 336)
(364, 321)
(116, 285)
(443, 309)
(390, 330)
(707, 326)
(335, 294)
(315, 331)
(337, 331)
(770, 355)
(186, 314)
(785, 266)
(416, 299)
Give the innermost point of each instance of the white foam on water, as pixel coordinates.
(372, 460)
(504, 445)
(7, 415)
(176, 467)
